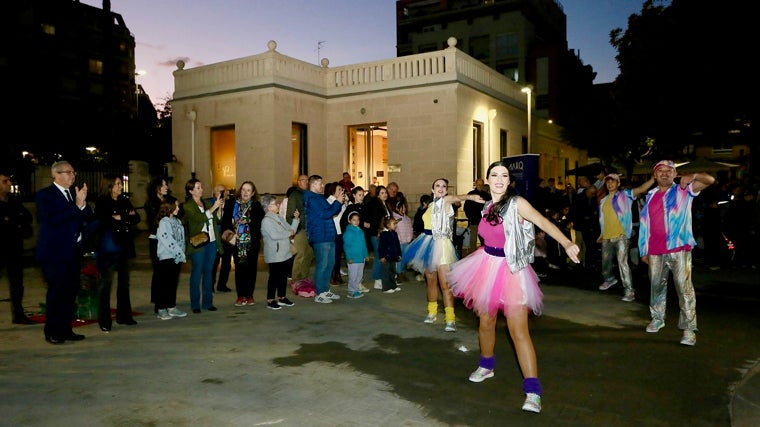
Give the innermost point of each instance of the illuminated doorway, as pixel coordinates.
(368, 154)
(223, 157)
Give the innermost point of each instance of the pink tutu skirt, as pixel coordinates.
(426, 254)
(486, 285)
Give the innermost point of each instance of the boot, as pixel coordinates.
(17, 308)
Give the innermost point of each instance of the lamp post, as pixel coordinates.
(528, 90)
(192, 115)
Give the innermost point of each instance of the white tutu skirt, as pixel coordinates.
(486, 285)
(426, 254)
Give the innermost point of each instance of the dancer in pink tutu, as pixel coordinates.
(433, 250)
(498, 277)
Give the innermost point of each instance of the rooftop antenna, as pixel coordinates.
(320, 43)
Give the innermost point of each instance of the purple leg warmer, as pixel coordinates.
(532, 385)
(487, 362)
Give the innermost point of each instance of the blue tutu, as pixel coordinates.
(425, 253)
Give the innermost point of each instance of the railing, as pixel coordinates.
(272, 68)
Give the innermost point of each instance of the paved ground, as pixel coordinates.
(372, 361)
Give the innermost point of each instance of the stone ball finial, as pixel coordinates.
(180, 65)
(271, 45)
(451, 41)
(325, 62)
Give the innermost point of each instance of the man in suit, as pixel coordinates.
(62, 214)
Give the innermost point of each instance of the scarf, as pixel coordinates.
(239, 214)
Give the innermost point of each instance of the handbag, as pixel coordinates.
(229, 237)
(199, 239)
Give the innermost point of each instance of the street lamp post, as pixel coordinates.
(192, 115)
(528, 90)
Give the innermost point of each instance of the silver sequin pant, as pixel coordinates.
(659, 268)
(617, 247)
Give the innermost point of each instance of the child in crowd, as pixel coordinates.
(171, 255)
(405, 235)
(355, 248)
(389, 252)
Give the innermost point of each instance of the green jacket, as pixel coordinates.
(194, 220)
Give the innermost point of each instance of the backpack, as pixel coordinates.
(304, 288)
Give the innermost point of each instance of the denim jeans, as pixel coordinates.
(201, 285)
(324, 255)
(377, 271)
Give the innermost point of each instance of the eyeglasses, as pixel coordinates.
(67, 172)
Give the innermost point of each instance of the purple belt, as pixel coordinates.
(490, 250)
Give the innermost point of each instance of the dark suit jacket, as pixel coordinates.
(61, 223)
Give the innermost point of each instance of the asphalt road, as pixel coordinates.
(372, 361)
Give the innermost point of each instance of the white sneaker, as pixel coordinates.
(378, 284)
(175, 312)
(322, 298)
(450, 327)
(331, 295)
(481, 374)
(390, 291)
(430, 318)
(532, 403)
(607, 284)
(689, 338)
(362, 289)
(163, 314)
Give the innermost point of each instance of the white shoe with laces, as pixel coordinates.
(532, 403)
(481, 374)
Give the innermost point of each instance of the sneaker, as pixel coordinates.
(389, 291)
(240, 302)
(378, 284)
(607, 284)
(419, 278)
(355, 294)
(481, 374)
(284, 301)
(430, 318)
(331, 295)
(532, 403)
(450, 327)
(655, 326)
(322, 298)
(628, 297)
(163, 314)
(175, 312)
(363, 289)
(398, 288)
(689, 338)
(273, 305)
(250, 301)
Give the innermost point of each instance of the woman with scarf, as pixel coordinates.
(433, 250)
(243, 216)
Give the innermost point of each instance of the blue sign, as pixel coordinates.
(524, 170)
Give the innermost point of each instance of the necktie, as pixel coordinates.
(68, 196)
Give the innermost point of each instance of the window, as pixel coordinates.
(299, 150)
(506, 46)
(502, 143)
(477, 150)
(95, 67)
(48, 29)
(509, 70)
(479, 48)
